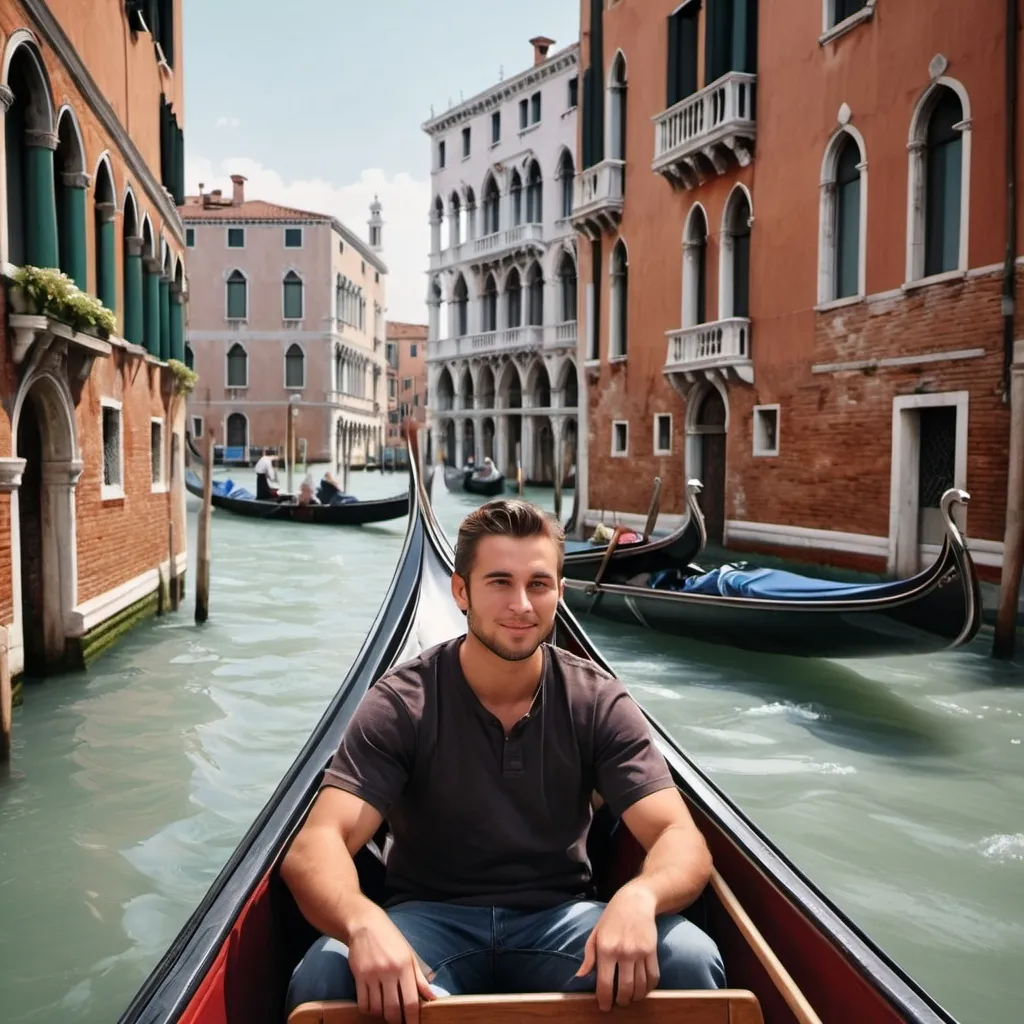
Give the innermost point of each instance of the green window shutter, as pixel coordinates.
(292, 297)
(237, 296)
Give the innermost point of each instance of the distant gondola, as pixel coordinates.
(775, 611)
(791, 955)
(464, 480)
(347, 511)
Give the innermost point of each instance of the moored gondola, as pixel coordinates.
(775, 611)
(645, 553)
(341, 511)
(791, 956)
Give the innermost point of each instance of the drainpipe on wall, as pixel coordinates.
(1013, 374)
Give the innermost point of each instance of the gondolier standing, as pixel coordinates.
(487, 755)
(265, 471)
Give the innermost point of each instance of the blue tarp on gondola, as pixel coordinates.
(770, 585)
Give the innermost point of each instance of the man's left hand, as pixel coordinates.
(625, 938)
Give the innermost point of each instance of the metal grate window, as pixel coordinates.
(938, 454)
(111, 446)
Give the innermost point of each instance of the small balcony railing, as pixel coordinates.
(598, 196)
(723, 345)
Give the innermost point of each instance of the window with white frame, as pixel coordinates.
(620, 437)
(663, 433)
(619, 301)
(837, 11)
(766, 430)
(843, 218)
(939, 182)
(292, 299)
(295, 367)
(156, 454)
(113, 449)
(237, 296)
(238, 366)
(197, 427)
(466, 142)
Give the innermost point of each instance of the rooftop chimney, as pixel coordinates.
(238, 193)
(541, 45)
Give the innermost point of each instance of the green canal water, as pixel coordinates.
(897, 785)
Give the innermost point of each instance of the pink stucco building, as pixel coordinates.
(286, 312)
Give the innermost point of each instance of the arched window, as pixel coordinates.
(734, 268)
(566, 176)
(69, 185)
(940, 141)
(294, 367)
(238, 367)
(620, 300)
(133, 284)
(535, 297)
(617, 109)
(516, 192)
(237, 296)
(843, 230)
(847, 224)
(514, 298)
(28, 124)
(460, 300)
(534, 195)
(455, 221)
(150, 290)
(104, 237)
(492, 207)
(567, 283)
(695, 260)
(292, 300)
(436, 224)
(490, 305)
(944, 166)
(237, 432)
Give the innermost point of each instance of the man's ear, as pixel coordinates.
(460, 592)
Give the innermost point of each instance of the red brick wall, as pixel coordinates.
(122, 538)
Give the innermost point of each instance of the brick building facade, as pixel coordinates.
(407, 378)
(90, 425)
(824, 358)
(286, 316)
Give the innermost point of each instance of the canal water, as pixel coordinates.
(897, 785)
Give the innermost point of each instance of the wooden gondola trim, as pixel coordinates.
(781, 978)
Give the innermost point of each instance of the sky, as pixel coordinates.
(323, 108)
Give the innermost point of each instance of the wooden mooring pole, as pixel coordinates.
(6, 700)
(1004, 641)
(203, 539)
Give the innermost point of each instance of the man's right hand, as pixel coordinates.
(386, 969)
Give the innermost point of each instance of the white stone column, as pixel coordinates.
(460, 431)
(60, 553)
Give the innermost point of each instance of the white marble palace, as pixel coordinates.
(502, 281)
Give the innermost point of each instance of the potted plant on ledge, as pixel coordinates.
(46, 291)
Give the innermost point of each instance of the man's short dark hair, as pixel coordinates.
(504, 517)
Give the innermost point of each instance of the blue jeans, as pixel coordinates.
(487, 950)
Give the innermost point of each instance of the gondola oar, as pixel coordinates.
(652, 511)
(595, 587)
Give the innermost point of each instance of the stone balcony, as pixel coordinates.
(449, 257)
(721, 347)
(561, 336)
(597, 198)
(522, 241)
(707, 133)
(353, 403)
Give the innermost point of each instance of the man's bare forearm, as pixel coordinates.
(676, 869)
(329, 897)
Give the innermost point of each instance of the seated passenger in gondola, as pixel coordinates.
(487, 470)
(306, 495)
(483, 754)
(265, 473)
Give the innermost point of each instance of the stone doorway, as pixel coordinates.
(46, 567)
(710, 427)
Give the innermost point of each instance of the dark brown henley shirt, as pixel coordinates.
(481, 818)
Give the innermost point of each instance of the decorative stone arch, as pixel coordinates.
(515, 196)
(75, 156)
(695, 244)
(294, 352)
(916, 146)
(564, 272)
(49, 478)
(101, 167)
(618, 275)
(444, 388)
(466, 395)
(538, 384)
(734, 253)
(149, 239)
(567, 381)
(487, 296)
(533, 285)
(512, 293)
(508, 381)
(458, 321)
(845, 134)
(436, 219)
(565, 175)
(485, 385)
(130, 219)
(534, 190)
(40, 108)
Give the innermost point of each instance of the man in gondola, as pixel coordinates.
(265, 474)
(487, 756)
